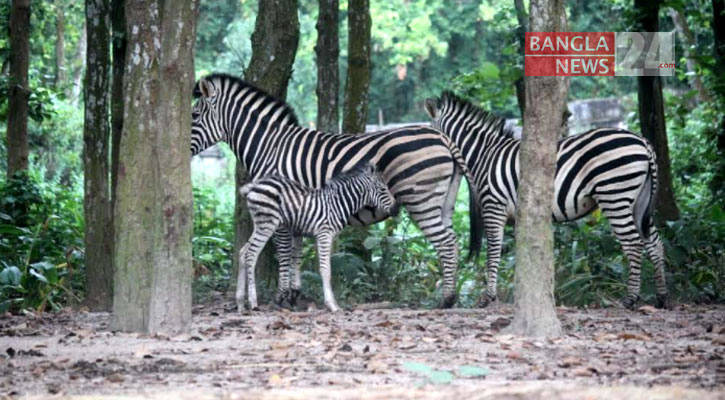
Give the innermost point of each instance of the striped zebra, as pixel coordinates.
(276, 202)
(612, 169)
(421, 166)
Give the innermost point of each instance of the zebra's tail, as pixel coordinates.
(474, 203)
(644, 203)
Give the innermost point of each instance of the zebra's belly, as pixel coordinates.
(584, 206)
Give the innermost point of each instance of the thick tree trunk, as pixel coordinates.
(534, 312)
(153, 214)
(18, 93)
(59, 43)
(328, 79)
(118, 53)
(652, 116)
(718, 27)
(274, 46)
(97, 202)
(358, 67)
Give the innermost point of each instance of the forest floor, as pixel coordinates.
(370, 353)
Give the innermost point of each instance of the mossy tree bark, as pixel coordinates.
(534, 312)
(19, 92)
(328, 52)
(118, 54)
(652, 116)
(717, 184)
(96, 199)
(274, 47)
(153, 214)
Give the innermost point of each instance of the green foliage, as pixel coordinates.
(41, 242)
(438, 377)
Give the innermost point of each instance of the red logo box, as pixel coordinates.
(569, 54)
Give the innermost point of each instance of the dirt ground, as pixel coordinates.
(370, 353)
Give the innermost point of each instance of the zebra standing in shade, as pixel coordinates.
(612, 169)
(421, 166)
(276, 202)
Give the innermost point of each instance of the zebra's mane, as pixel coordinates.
(450, 103)
(241, 84)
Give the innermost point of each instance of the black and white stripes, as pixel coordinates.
(612, 169)
(420, 165)
(276, 202)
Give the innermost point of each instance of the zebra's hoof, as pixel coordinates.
(485, 300)
(282, 299)
(663, 301)
(629, 302)
(292, 296)
(448, 301)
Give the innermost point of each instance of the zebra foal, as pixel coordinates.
(277, 202)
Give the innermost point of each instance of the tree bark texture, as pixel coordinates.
(357, 82)
(534, 312)
(153, 212)
(60, 74)
(328, 52)
(118, 54)
(652, 117)
(521, 38)
(18, 93)
(96, 199)
(274, 47)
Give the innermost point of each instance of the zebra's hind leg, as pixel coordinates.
(260, 237)
(295, 264)
(443, 239)
(283, 239)
(656, 252)
(621, 219)
(494, 222)
(241, 292)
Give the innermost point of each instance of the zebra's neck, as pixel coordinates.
(349, 192)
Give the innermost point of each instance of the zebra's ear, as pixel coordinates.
(206, 88)
(431, 107)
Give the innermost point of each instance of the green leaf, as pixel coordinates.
(371, 242)
(10, 276)
(472, 371)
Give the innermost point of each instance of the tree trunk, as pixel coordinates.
(74, 91)
(59, 43)
(328, 51)
(118, 52)
(153, 214)
(534, 312)
(274, 46)
(358, 67)
(18, 93)
(717, 184)
(521, 37)
(680, 21)
(96, 199)
(652, 116)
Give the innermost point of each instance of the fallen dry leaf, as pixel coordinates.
(634, 336)
(570, 362)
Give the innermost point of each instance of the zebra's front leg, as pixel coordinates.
(494, 223)
(283, 243)
(324, 247)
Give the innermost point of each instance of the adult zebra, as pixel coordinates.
(612, 169)
(421, 166)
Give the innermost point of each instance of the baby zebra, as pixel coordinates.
(275, 202)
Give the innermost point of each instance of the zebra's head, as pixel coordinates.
(380, 196)
(206, 125)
